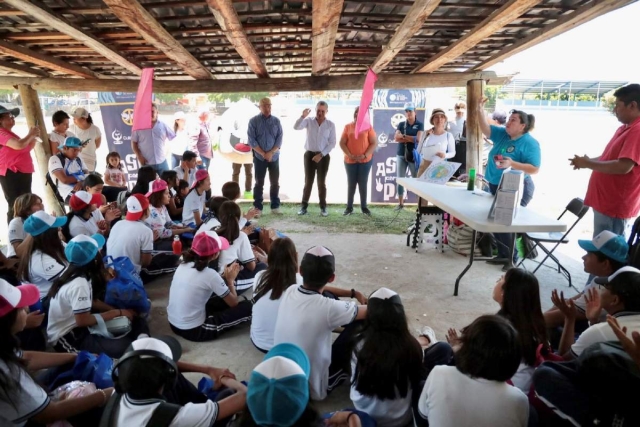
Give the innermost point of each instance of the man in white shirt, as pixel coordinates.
(321, 139)
(307, 318)
(186, 170)
(67, 169)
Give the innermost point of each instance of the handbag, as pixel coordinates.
(126, 290)
(115, 328)
(87, 367)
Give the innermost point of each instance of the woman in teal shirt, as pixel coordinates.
(519, 151)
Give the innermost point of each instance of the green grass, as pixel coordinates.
(383, 220)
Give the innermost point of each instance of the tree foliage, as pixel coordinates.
(168, 98)
(233, 97)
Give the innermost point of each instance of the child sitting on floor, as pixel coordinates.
(194, 204)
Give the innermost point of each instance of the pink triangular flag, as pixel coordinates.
(142, 107)
(363, 122)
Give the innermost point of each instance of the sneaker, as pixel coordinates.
(366, 211)
(398, 207)
(248, 195)
(276, 211)
(302, 211)
(429, 333)
(323, 212)
(347, 212)
(497, 261)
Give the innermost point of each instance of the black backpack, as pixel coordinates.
(162, 416)
(634, 245)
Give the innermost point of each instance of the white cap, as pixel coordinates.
(179, 115)
(383, 293)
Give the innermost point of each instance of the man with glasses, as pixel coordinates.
(265, 138)
(456, 126)
(408, 135)
(321, 139)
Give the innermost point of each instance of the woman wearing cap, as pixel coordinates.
(278, 394)
(44, 258)
(74, 297)
(515, 148)
(159, 220)
(438, 143)
(358, 156)
(85, 217)
(89, 134)
(194, 203)
(24, 206)
(203, 305)
(16, 166)
(408, 134)
(22, 400)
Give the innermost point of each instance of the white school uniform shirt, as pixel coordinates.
(387, 413)
(307, 319)
(194, 202)
(43, 271)
(16, 235)
(264, 315)
(88, 227)
(138, 413)
(239, 250)
(130, 239)
(160, 220)
(88, 153)
(188, 295)
(452, 399)
(433, 144)
(601, 332)
(191, 177)
(70, 167)
(523, 377)
(59, 139)
(73, 298)
(210, 225)
(29, 399)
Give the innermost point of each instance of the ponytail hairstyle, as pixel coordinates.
(229, 217)
(528, 120)
(199, 262)
(215, 203)
(281, 270)
(89, 119)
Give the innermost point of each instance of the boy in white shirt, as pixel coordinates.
(187, 168)
(307, 318)
(67, 169)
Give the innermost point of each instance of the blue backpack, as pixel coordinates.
(126, 289)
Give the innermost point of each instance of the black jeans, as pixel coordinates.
(248, 176)
(261, 168)
(310, 169)
(13, 185)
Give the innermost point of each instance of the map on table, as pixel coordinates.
(440, 172)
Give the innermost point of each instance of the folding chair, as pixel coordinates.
(634, 245)
(56, 193)
(576, 207)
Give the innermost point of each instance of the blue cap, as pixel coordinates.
(81, 250)
(409, 106)
(71, 142)
(608, 244)
(40, 221)
(278, 390)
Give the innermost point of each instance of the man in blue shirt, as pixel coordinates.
(148, 144)
(265, 138)
(408, 135)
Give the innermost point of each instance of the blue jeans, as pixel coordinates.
(160, 167)
(401, 172)
(504, 239)
(357, 175)
(205, 163)
(261, 167)
(602, 222)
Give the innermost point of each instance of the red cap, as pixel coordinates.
(81, 199)
(137, 204)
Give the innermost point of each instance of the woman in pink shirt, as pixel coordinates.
(16, 166)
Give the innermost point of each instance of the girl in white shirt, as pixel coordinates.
(44, 259)
(89, 134)
(240, 250)
(269, 286)
(475, 392)
(213, 223)
(24, 205)
(159, 220)
(85, 217)
(387, 362)
(72, 303)
(193, 208)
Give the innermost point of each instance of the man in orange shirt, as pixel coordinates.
(358, 153)
(614, 187)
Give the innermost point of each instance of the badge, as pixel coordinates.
(511, 149)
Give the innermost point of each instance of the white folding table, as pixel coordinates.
(473, 210)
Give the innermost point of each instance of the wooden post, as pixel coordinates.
(33, 112)
(475, 141)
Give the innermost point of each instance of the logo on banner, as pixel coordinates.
(396, 119)
(127, 116)
(117, 137)
(382, 140)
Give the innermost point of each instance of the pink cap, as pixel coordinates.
(201, 175)
(208, 243)
(156, 186)
(12, 297)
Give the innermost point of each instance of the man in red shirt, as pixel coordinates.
(614, 187)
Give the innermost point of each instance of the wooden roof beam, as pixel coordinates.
(142, 22)
(415, 17)
(40, 12)
(229, 22)
(34, 57)
(500, 18)
(12, 67)
(565, 23)
(325, 19)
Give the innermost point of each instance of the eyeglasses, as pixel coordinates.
(7, 116)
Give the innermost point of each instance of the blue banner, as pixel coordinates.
(388, 112)
(117, 119)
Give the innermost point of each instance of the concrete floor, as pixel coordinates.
(424, 280)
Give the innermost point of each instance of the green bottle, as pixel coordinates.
(472, 179)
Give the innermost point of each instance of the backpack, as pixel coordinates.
(62, 160)
(634, 245)
(162, 416)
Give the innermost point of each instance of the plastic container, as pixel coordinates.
(472, 179)
(177, 245)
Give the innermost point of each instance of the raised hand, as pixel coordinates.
(567, 307)
(594, 305)
(306, 112)
(630, 345)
